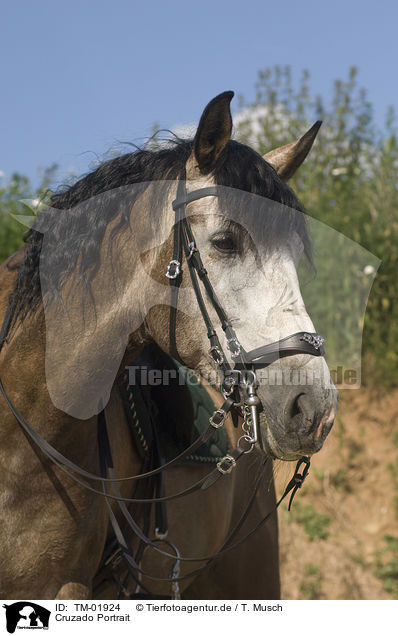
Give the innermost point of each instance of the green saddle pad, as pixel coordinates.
(142, 415)
(203, 409)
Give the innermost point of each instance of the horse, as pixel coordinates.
(88, 293)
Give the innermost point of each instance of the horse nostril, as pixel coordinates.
(295, 407)
(302, 406)
(302, 415)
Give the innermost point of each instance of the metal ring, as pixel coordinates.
(247, 439)
(245, 380)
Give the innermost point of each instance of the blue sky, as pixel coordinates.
(78, 76)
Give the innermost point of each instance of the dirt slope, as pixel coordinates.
(331, 542)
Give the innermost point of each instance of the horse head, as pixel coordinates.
(250, 238)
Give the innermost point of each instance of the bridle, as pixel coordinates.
(239, 388)
(239, 381)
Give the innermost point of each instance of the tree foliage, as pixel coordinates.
(349, 181)
(13, 192)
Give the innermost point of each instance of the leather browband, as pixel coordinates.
(211, 191)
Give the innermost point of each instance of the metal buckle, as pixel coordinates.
(116, 564)
(173, 269)
(227, 392)
(234, 346)
(231, 463)
(115, 558)
(192, 249)
(218, 418)
(216, 354)
(161, 536)
(230, 381)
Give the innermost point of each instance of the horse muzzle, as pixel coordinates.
(298, 423)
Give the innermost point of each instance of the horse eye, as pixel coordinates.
(225, 243)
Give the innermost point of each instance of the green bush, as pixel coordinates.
(11, 231)
(12, 192)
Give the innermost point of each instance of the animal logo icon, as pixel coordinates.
(26, 615)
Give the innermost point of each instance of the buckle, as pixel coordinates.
(231, 380)
(173, 269)
(216, 354)
(115, 559)
(234, 346)
(230, 464)
(161, 536)
(218, 418)
(192, 249)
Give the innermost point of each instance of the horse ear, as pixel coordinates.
(214, 132)
(287, 159)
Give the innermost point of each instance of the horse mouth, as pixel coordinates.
(290, 446)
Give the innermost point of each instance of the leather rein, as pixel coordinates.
(239, 388)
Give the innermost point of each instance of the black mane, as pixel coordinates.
(239, 167)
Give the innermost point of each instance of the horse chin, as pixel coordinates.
(290, 447)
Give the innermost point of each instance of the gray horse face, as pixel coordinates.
(260, 292)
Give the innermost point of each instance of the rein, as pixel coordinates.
(239, 388)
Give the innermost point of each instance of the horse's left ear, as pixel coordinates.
(214, 132)
(287, 159)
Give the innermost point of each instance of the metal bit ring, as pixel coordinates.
(249, 440)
